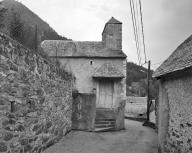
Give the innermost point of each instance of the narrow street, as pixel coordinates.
(135, 139)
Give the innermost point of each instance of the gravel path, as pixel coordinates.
(135, 139)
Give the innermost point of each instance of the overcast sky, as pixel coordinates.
(167, 23)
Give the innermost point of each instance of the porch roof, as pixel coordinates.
(108, 70)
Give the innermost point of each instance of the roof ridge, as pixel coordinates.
(84, 49)
(70, 41)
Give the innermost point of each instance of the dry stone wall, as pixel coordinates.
(35, 100)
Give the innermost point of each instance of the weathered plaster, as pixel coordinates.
(176, 108)
(83, 72)
(83, 116)
(163, 115)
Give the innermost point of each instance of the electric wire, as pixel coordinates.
(135, 30)
(141, 16)
(137, 26)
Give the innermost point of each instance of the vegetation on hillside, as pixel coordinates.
(21, 24)
(16, 27)
(2, 15)
(137, 81)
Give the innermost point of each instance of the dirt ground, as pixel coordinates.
(135, 139)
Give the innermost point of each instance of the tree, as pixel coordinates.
(29, 37)
(16, 27)
(2, 14)
(137, 81)
(50, 34)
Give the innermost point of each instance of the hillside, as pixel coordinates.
(137, 81)
(135, 73)
(29, 20)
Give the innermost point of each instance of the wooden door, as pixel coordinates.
(105, 94)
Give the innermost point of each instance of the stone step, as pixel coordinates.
(104, 129)
(104, 122)
(104, 119)
(105, 126)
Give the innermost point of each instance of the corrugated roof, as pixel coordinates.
(113, 21)
(108, 70)
(67, 48)
(180, 59)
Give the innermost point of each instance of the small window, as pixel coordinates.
(91, 62)
(110, 36)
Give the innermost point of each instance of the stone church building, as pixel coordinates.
(98, 67)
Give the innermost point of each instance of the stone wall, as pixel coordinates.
(135, 106)
(175, 117)
(120, 123)
(35, 100)
(83, 112)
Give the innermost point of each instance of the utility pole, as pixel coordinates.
(148, 89)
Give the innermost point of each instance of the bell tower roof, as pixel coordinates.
(113, 21)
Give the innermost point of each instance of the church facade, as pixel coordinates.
(98, 67)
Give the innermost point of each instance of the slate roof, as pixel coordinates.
(108, 70)
(113, 21)
(180, 59)
(66, 48)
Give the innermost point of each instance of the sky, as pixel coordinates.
(167, 23)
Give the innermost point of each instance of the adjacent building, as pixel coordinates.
(175, 101)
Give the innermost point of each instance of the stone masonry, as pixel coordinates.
(112, 36)
(175, 133)
(35, 100)
(98, 67)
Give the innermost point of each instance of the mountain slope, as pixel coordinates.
(29, 20)
(135, 73)
(26, 15)
(137, 81)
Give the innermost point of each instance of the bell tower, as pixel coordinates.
(112, 34)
